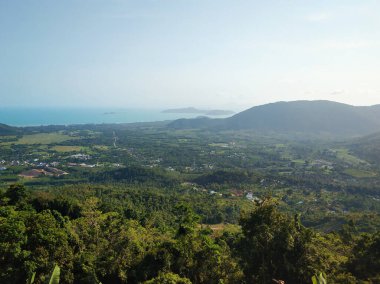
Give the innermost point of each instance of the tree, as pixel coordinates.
(16, 193)
(277, 246)
(32, 243)
(168, 278)
(13, 240)
(198, 256)
(365, 260)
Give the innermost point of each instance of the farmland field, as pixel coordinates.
(42, 138)
(68, 148)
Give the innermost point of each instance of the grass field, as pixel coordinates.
(222, 145)
(344, 155)
(42, 138)
(218, 229)
(299, 161)
(63, 149)
(101, 147)
(360, 173)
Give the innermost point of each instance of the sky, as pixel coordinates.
(177, 53)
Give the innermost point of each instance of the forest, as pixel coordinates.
(142, 203)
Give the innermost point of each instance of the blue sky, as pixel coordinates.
(173, 53)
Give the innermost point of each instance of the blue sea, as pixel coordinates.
(66, 116)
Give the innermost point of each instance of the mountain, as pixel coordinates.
(7, 130)
(312, 117)
(195, 123)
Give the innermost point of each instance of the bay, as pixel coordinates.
(65, 116)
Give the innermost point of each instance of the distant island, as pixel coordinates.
(199, 111)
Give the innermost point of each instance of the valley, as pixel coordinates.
(183, 198)
(332, 177)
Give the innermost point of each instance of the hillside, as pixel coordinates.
(7, 130)
(367, 147)
(313, 117)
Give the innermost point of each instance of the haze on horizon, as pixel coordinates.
(177, 53)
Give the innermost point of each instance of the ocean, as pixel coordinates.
(66, 116)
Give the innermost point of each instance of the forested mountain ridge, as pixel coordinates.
(314, 117)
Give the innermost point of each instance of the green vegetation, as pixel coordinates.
(360, 173)
(149, 204)
(42, 138)
(68, 148)
(344, 155)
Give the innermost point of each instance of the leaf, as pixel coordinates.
(31, 279)
(54, 279)
(319, 279)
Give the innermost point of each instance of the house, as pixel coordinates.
(80, 156)
(251, 197)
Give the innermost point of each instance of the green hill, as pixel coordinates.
(7, 130)
(309, 117)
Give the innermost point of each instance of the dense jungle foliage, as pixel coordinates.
(118, 236)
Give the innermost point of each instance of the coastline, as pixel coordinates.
(25, 117)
